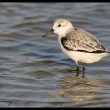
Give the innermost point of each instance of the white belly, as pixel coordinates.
(82, 56)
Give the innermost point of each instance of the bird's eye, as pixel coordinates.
(59, 25)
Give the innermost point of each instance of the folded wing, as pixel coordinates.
(80, 40)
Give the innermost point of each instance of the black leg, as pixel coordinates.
(83, 72)
(77, 71)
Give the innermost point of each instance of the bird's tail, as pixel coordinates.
(108, 51)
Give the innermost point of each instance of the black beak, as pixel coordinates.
(48, 33)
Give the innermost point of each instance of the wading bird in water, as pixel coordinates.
(78, 44)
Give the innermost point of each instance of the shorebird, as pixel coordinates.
(78, 44)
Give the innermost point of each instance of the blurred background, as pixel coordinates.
(33, 70)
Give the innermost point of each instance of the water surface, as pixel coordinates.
(33, 70)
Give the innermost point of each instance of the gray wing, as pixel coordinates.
(80, 40)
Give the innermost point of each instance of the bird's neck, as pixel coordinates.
(64, 33)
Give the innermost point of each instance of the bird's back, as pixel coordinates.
(81, 40)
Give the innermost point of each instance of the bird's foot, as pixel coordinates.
(83, 72)
(78, 71)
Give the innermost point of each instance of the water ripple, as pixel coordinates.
(34, 72)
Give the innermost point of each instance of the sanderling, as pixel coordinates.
(78, 44)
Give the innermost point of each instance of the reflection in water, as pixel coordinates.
(80, 90)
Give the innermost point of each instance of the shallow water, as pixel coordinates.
(33, 70)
